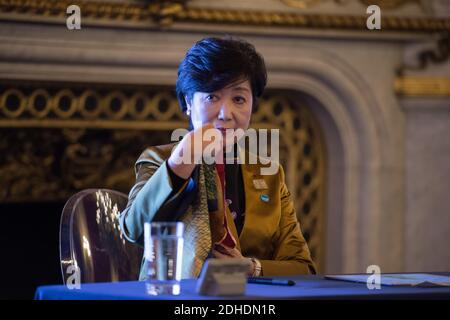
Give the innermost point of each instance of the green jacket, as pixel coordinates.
(271, 231)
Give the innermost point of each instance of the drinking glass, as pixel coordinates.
(163, 252)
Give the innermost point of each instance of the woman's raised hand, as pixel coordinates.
(197, 145)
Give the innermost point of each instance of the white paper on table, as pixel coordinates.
(399, 279)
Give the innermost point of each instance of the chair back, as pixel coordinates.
(90, 239)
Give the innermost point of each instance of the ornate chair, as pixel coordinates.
(90, 238)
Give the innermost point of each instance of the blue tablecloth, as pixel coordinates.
(307, 287)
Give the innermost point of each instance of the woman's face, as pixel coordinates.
(227, 108)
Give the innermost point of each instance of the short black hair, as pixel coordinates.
(214, 63)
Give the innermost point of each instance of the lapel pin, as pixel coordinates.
(260, 184)
(264, 197)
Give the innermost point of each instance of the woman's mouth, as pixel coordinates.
(223, 130)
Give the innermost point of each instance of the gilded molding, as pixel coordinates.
(164, 14)
(384, 4)
(389, 4)
(423, 86)
(302, 4)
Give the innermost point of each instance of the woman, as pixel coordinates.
(229, 210)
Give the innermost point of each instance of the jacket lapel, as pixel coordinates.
(249, 173)
(251, 194)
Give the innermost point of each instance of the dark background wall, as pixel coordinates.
(29, 254)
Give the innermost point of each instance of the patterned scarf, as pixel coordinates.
(205, 220)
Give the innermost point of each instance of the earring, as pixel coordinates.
(188, 112)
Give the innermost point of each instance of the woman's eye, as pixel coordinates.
(239, 100)
(211, 97)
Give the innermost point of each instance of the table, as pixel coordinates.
(307, 287)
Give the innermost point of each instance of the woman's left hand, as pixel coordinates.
(223, 252)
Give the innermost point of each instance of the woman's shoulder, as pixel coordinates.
(262, 165)
(156, 154)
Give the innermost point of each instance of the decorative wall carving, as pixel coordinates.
(303, 4)
(384, 4)
(164, 15)
(389, 4)
(410, 82)
(425, 57)
(59, 139)
(423, 86)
